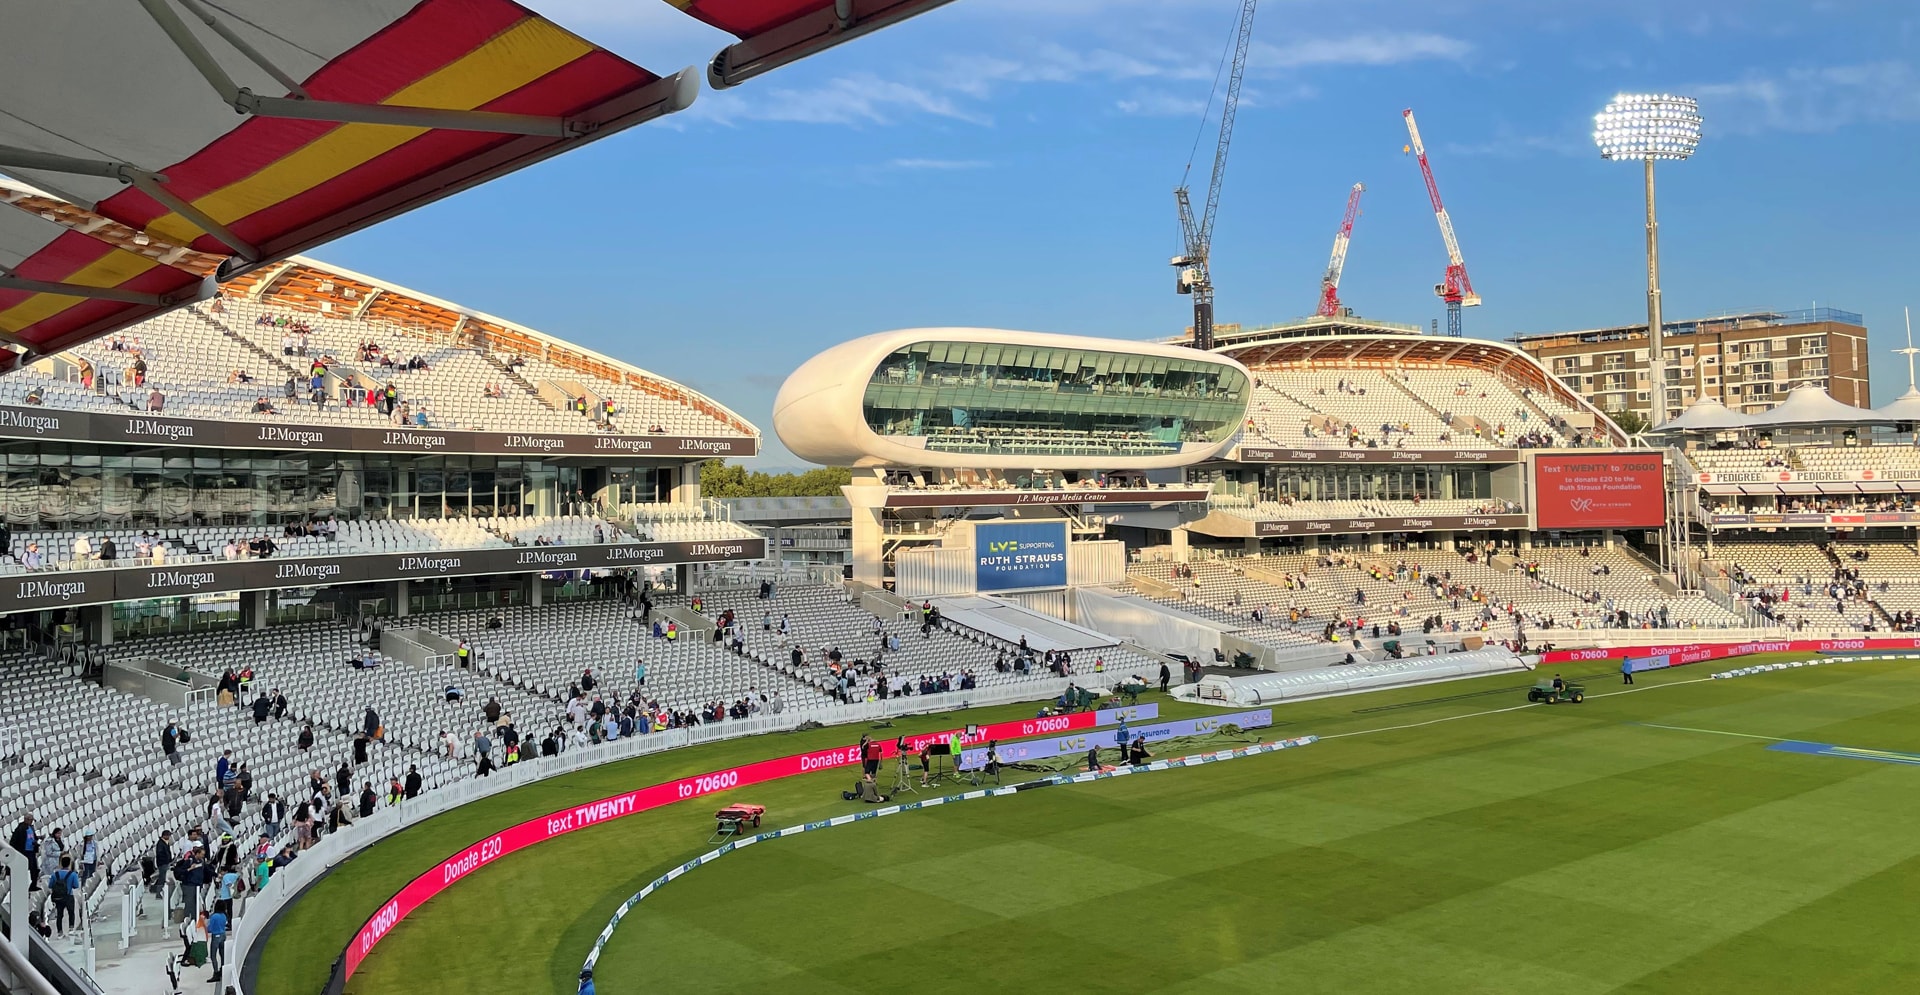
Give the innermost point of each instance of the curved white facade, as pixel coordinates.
(1149, 405)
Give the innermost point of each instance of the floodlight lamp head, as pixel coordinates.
(1639, 126)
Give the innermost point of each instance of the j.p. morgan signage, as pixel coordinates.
(1421, 523)
(132, 428)
(1307, 454)
(48, 589)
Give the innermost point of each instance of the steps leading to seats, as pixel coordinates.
(245, 342)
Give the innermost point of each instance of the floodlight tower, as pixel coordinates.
(1649, 127)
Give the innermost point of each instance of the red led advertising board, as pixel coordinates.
(1602, 491)
(526, 834)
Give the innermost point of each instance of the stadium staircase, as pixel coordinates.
(1402, 387)
(246, 343)
(513, 376)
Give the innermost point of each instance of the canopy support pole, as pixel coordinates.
(152, 186)
(243, 47)
(98, 293)
(841, 22)
(247, 102)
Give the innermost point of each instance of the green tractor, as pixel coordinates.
(1544, 691)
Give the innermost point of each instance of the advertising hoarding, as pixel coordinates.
(1601, 491)
(1020, 556)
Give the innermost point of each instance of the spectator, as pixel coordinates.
(412, 789)
(62, 885)
(367, 799)
(89, 856)
(272, 814)
(169, 743)
(161, 861)
(26, 840)
(216, 943)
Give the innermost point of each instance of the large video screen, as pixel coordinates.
(1018, 557)
(1602, 491)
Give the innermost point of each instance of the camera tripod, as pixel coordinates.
(903, 776)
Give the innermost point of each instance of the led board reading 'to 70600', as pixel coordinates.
(1602, 491)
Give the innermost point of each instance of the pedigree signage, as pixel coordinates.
(21, 592)
(291, 434)
(1010, 499)
(1386, 523)
(1307, 454)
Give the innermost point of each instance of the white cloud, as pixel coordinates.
(1358, 50)
(860, 99)
(939, 164)
(1504, 145)
(1812, 100)
(1160, 104)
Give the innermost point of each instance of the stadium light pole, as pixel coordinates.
(1650, 127)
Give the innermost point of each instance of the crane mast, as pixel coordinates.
(1330, 283)
(1457, 291)
(1192, 272)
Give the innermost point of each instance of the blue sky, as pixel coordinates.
(1010, 163)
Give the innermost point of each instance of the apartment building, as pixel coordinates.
(1747, 361)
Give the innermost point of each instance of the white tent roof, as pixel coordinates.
(1809, 405)
(1707, 415)
(1906, 407)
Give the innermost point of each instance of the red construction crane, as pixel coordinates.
(1457, 291)
(1330, 283)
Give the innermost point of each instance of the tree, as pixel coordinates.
(1632, 422)
(719, 479)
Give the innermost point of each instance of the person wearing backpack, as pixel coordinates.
(63, 884)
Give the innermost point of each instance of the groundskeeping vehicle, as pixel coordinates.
(1569, 691)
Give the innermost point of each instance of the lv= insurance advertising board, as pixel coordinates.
(1601, 491)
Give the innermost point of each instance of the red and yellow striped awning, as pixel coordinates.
(776, 32)
(370, 111)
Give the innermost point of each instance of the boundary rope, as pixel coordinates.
(600, 942)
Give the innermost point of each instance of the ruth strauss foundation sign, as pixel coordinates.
(50, 589)
(99, 426)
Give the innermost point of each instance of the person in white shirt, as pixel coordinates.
(82, 550)
(450, 744)
(230, 550)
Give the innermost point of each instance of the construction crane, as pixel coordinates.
(1457, 291)
(1330, 283)
(1192, 275)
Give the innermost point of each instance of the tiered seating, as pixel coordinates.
(120, 784)
(570, 530)
(1728, 460)
(452, 389)
(1857, 457)
(1460, 391)
(1363, 400)
(1327, 586)
(545, 650)
(635, 411)
(199, 545)
(1266, 510)
(683, 523)
(218, 360)
(819, 620)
